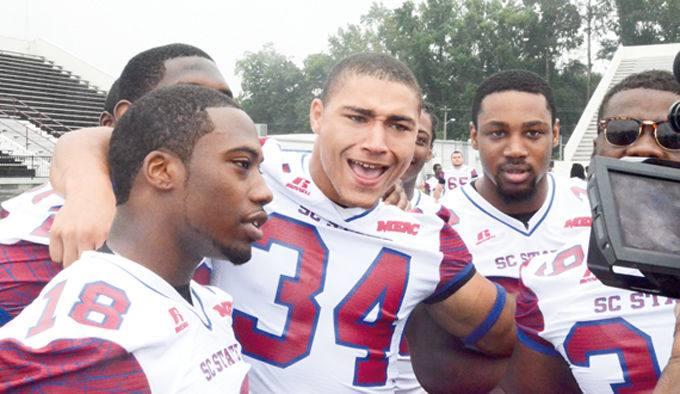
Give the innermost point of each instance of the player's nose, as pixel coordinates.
(376, 138)
(646, 145)
(259, 191)
(515, 146)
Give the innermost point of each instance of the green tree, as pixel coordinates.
(639, 22)
(451, 45)
(643, 22)
(271, 87)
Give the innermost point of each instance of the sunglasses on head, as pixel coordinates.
(622, 131)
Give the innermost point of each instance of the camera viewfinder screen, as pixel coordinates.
(648, 210)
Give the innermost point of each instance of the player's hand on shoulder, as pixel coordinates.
(81, 224)
(396, 196)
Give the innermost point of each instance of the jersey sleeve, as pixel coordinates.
(70, 365)
(456, 267)
(530, 323)
(25, 268)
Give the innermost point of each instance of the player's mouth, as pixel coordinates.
(367, 174)
(516, 173)
(253, 222)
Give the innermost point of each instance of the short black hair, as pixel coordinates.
(519, 80)
(434, 167)
(379, 65)
(577, 171)
(172, 118)
(146, 69)
(112, 97)
(428, 108)
(652, 79)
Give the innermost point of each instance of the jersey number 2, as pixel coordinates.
(381, 288)
(633, 347)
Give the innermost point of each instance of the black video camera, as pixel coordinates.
(674, 111)
(674, 116)
(635, 237)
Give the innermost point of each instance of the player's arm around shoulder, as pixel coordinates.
(80, 173)
(466, 304)
(481, 314)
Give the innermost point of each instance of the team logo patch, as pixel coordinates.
(299, 185)
(398, 227)
(180, 324)
(584, 221)
(484, 236)
(286, 167)
(224, 309)
(587, 277)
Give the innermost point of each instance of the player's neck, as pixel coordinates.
(320, 178)
(150, 244)
(409, 187)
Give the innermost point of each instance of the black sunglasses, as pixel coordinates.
(622, 131)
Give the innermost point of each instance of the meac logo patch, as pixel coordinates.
(396, 226)
(584, 221)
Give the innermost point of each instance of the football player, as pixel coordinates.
(184, 161)
(458, 174)
(406, 380)
(329, 313)
(25, 232)
(515, 211)
(576, 333)
(421, 155)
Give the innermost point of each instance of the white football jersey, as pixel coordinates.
(423, 203)
(500, 243)
(30, 215)
(457, 177)
(108, 324)
(322, 304)
(431, 184)
(406, 382)
(614, 340)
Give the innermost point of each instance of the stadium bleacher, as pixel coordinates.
(55, 100)
(39, 101)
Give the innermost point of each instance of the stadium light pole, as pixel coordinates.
(446, 110)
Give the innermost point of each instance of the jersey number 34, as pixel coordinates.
(382, 286)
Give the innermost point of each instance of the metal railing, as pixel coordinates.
(15, 108)
(32, 139)
(25, 166)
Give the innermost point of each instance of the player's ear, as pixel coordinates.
(556, 133)
(315, 114)
(106, 119)
(120, 108)
(163, 170)
(473, 136)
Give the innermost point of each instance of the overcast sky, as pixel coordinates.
(107, 33)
